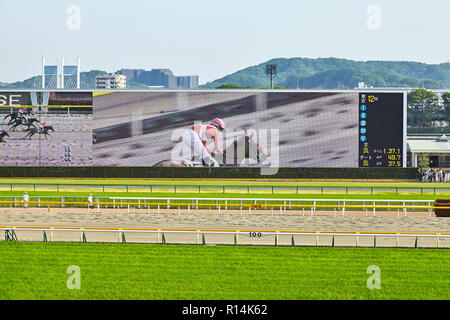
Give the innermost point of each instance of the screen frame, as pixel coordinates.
(159, 90)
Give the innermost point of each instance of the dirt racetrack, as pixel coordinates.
(202, 219)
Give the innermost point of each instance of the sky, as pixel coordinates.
(212, 38)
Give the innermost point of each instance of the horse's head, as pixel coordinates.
(50, 128)
(254, 150)
(4, 133)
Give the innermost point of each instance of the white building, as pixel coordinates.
(435, 148)
(111, 81)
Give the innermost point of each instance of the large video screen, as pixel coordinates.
(46, 128)
(193, 128)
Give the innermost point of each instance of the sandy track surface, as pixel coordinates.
(171, 219)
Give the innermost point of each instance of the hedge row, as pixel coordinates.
(222, 172)
(442, 203)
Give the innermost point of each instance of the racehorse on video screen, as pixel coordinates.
(45, 132)
(3, 133)
(230, 156)
(24, 122)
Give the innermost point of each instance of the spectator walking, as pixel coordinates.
(426, 176)
(420, 174)
(25, 199)
(443, 175)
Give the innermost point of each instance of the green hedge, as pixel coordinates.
(442, 203)
(222, 172)
(428, 130)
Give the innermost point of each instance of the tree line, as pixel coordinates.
(424, 108)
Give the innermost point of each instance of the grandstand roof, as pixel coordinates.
(427, 146)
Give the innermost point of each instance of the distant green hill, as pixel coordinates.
(333, 73)
(325, 73)
(87, 82)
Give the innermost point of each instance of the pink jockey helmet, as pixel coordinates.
(218, 123)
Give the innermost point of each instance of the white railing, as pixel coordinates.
(236, 233)
(218, 204)
(285, 204)
(223, 202)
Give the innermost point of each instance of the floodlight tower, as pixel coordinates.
(61, 72)
(43, 73)
(271, 72)
(78, 72)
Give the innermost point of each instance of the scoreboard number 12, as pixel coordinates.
(372, 98)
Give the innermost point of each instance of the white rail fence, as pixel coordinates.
(199, 236)
(283, 205)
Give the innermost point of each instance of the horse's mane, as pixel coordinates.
(158, 164)
(168, 163)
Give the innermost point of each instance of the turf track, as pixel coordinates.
(134, 271)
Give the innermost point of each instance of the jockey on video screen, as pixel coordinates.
(41, 126)
(197, 137)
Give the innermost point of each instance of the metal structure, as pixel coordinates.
(59, 76)
(271, 72)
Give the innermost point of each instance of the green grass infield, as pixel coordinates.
(138, 271)
(104, 196)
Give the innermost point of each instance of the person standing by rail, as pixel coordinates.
(90, 201)
(25, 199)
